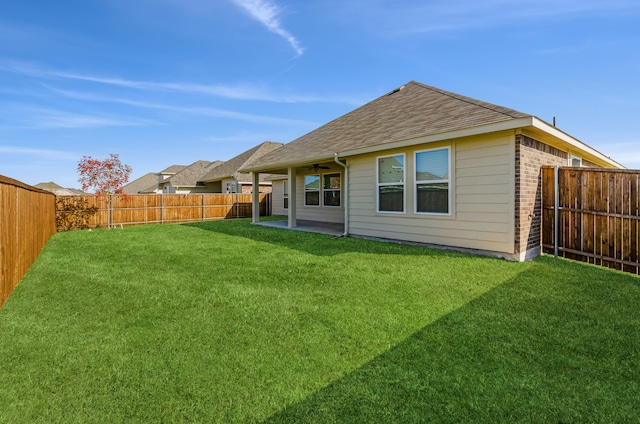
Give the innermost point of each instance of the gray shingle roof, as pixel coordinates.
(230, 168)
(49, 186)
(142, 184)
(58, 190)
(190, 175)
(414, 110)
(173, 169)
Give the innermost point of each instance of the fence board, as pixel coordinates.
(27, 221)
(599, 216)
(169, 208)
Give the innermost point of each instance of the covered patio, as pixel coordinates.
(330, 228)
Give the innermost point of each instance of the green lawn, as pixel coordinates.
(228, 322)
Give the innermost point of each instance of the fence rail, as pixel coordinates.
(27, 221)
(167, 208)
(598, 216)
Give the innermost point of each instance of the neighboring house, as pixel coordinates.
(145, 184)
(152, 182)
(188, 180)
(424, 165)
(59, 190)
(226, 178)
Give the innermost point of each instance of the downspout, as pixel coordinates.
(346, 194)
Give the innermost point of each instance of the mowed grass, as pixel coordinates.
(229, 322)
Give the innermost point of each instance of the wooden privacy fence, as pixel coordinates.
(27, 221)
(597, 215)
(137, 209)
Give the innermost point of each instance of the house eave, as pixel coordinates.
(530, 124)
(215, 179)
(511, 124)
(273, 167)
(580, 148)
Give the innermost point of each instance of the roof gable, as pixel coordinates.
(411, 111)
(190, 175)
(50, 186)
(173, 169)
(229, 169)
(142, 184)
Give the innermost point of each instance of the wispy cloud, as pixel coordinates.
(41, 153)
(47, 118)
(26, 116)
(235, 92)
(268, 14)
(190, 110)
(416, 16)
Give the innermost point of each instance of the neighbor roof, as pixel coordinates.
(50, 186)
(229, 169)
(58, 190)
(411, 111)
(190, 175)
(143, 184)
(173, 169)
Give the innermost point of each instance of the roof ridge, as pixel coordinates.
(469, 100)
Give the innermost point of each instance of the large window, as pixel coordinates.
(326, 188)
(312, 190)
(391, 180)
(432, 181)
(331, 189)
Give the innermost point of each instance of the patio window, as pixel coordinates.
(331, 189)
(432, 181)
(312, 190)
(285, 195)
(391, 181)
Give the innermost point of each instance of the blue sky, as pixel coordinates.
(163, 82)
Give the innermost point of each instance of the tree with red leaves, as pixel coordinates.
(107, 177)
(104, 176)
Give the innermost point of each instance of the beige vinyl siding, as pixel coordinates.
(215, 187)
(277, 204)
(319, 213)
(482, 205)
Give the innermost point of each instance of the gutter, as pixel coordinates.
(346, 194)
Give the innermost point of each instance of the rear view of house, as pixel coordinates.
(421, 164)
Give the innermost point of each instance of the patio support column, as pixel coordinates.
(291, 221)
(255, 197)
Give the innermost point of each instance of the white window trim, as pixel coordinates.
(416, 182)
(403, 183)
(330, 189)
(319, 190)
(285, 194)
(572, 157)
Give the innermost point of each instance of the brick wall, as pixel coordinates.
(530, 156)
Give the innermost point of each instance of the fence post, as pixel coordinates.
(111, 224)
(556, 218)
(203, 206)
(162, 208)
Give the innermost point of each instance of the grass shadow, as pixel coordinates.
(315, 243)
(527, 351)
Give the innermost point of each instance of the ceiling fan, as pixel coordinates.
(315, 167)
